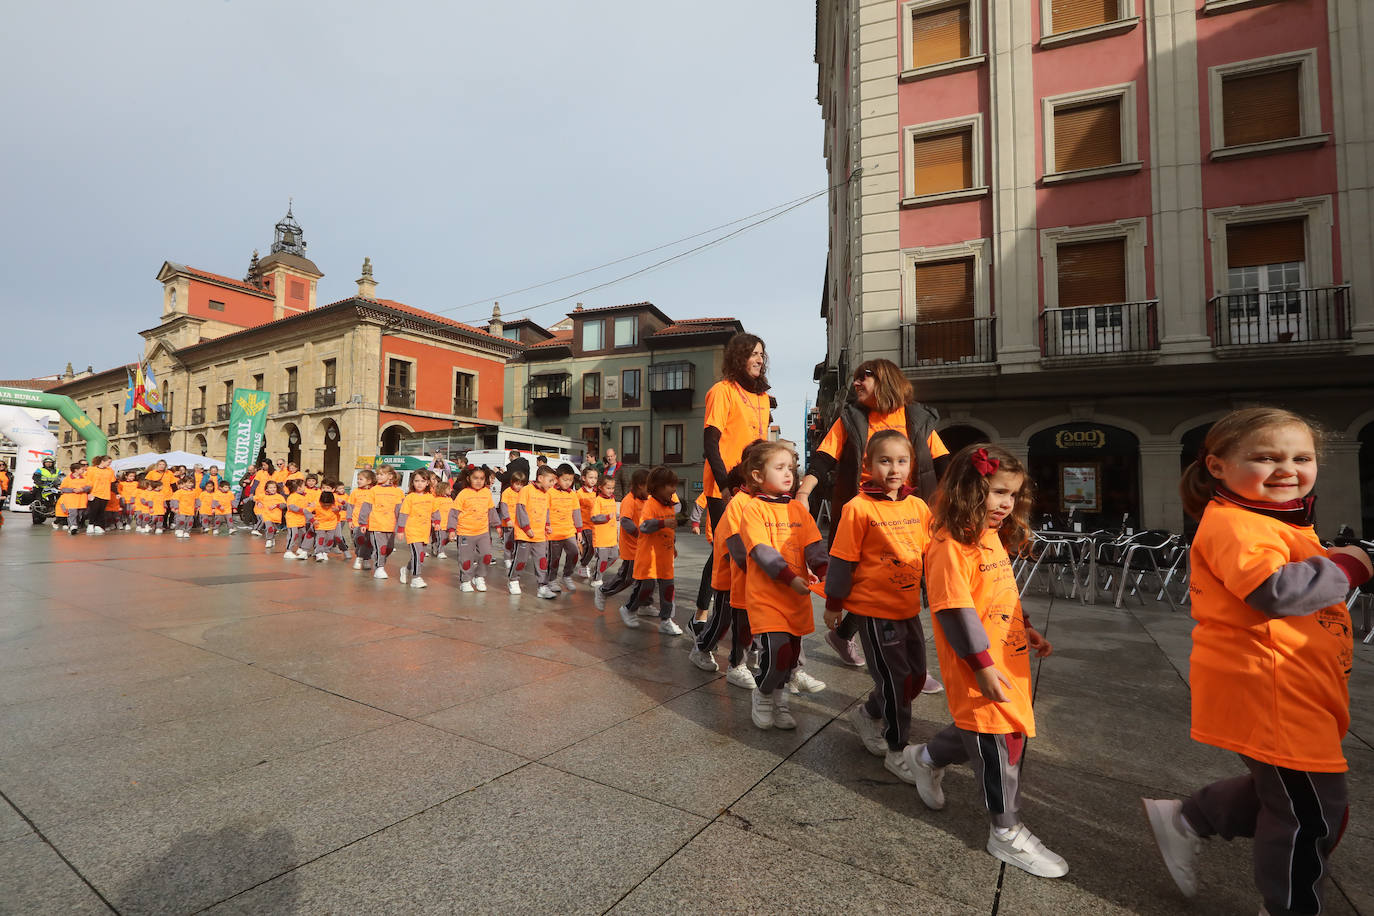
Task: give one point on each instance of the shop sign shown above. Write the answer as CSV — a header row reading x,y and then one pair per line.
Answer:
x,y
1081,438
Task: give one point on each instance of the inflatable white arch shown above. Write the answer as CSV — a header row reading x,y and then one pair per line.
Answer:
x,y
35,443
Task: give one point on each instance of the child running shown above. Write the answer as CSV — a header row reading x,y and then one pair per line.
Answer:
x,y
782,543
1271,660
722,616
628,538
475,513
378,515
586,500
565,520
443,510
71,505
984,644
417,517
656,551
532,531
221,509
510,500
269,505
297,517
605,521
875,574
357,500
328,516
128,499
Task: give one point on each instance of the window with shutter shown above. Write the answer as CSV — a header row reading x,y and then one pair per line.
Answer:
x,y
942,162
1087,136
1257,107
944,294
1067,15
1260,244
940,35
1092,273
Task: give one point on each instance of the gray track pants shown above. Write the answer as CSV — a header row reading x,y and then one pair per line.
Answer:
x,y
996,762
895,651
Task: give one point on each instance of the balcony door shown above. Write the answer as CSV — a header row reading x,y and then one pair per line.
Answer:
x,y
944,331
1092,288
1266,267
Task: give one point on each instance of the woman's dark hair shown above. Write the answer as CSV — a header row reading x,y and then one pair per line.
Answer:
x,y
736,367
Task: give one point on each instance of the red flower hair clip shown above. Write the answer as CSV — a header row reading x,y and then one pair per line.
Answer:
x,y
983,464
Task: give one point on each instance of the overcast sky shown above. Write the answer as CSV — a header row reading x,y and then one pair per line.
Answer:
x,y
468,148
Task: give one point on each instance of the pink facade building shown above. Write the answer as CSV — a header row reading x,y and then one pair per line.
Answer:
x,y
1088,228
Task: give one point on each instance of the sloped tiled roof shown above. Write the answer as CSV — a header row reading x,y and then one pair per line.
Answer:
x,y
221,279
31,384
430,316
700,326
559,339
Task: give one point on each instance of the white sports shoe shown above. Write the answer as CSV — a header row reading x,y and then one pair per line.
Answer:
x,y
598,597
782,716
405,574
441,555
670,627
546,592
628,618
321,557
703,660
513,587
802,681
1018,846
479,583
267,544
761,709
595,583
569,584
465,587
417,582
1178,845
741,676
358,563
380,573
553,586
932,686
870,731
928,777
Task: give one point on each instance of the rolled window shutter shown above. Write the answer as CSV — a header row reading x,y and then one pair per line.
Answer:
x,y
1257,244
940,35
1261,106
944,290
1092,273
1087,136
1067,15
944,162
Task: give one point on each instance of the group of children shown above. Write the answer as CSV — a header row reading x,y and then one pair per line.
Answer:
x,y
1272,649
93,498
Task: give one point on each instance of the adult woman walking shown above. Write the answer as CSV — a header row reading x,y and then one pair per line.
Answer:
x,y
881,398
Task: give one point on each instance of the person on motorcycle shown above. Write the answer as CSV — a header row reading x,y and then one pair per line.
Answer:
x,y
46,477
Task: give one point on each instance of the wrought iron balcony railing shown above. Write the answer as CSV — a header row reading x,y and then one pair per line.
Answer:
x,y
951,342
1247,318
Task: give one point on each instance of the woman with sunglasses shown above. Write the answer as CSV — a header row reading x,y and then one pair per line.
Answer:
x,y
881,398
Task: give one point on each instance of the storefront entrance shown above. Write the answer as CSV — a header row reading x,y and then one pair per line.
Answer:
x,y
1087,472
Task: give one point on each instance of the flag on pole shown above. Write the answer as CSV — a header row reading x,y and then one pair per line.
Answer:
x,y
140,402
151,396
129,392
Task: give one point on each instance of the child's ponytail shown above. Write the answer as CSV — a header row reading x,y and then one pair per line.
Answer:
x,y
1227,435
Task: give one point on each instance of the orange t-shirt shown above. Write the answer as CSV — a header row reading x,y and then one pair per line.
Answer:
x,y
654,555
385,501
296,505
980,577
630,508
279,475
536,503
360,497
586,504
272,507
561,506
101,481
734,511
221,503
722,566
788,528
418,508
128,491
259,479
741,417
74,500
604,534
887,539
834,441
312,498
510,498
327,517
474,511
1275,689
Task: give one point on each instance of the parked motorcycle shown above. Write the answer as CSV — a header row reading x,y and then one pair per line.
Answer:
x,y
42,503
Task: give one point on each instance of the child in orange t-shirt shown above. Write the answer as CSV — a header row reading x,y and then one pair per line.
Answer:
x,y
75,490
875,574
586,498
473,514
128,499
222,504
984,644
728,565
532,531
182,501
656,551
565,521
1271,660
628,538
443,508
357,500
604,518
270,504
311,490
327,516
152,505
782,544
379,516
297,517
416,519
506,508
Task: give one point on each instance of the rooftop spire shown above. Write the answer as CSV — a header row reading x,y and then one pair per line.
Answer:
x,y
288,235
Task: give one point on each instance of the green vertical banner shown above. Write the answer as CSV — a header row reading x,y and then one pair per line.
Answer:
x,y
247,426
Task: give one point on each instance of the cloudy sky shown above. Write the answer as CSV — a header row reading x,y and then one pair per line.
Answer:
x,y
470,149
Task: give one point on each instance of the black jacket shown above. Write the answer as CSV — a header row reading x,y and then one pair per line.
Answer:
x,y
848,468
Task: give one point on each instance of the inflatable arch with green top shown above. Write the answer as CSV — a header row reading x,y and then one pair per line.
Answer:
x,y
96,443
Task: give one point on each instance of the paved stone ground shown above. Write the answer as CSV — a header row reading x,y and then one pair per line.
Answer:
x,y
194,725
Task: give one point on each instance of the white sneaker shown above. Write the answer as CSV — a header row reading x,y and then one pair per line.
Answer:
x,y
782,716
553,586
598,597
380,573
703,660
480,584
417,582
1023,849
647,610
513,587
932,686
267,544
895,763
546,592
670,627
465,587
569,584
929,778
405,574
256,533
1178,844
583,572
358,563
321,558
94,529
761,709
160,530
595,583
441,555
627,618
289,555
870,731
741,676
802,681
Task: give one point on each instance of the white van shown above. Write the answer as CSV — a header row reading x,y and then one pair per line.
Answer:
x,y
497,459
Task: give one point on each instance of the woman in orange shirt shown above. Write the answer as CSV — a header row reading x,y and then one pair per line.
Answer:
x,y
656,551
379,516
474,513
785,555
1271,660
628,538
102,484
984,644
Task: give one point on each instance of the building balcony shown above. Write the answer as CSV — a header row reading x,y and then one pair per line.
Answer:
x,y
66,435
150,424
197,416
112,429
1287,320
222,411
1112,329
465,407
672,386
326,396
550,395
400,397
130,427
954,342
286,402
